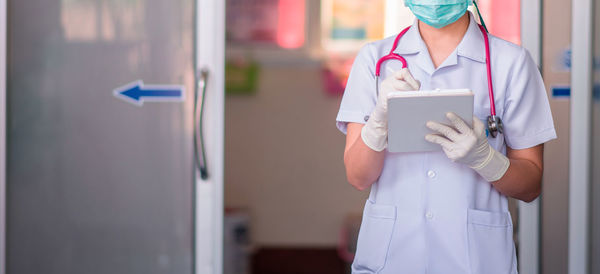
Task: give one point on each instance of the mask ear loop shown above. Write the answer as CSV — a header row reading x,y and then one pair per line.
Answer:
x,y
480,17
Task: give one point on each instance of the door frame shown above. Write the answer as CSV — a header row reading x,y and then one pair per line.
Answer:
x,y
209,208
580,146
529,213
3,45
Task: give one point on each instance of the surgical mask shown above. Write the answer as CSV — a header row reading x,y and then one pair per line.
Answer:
x,y
438,13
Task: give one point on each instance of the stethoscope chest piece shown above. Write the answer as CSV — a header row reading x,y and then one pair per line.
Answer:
x,y
494,125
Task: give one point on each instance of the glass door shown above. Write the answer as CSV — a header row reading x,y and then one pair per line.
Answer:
x,y
100,173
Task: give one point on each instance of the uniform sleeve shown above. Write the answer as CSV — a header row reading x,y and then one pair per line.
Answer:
x,y
527,117
360,96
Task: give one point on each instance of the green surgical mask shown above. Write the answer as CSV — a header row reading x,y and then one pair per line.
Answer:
x,y
438,13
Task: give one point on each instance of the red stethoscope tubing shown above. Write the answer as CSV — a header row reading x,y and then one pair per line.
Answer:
x,y
392,55
395,56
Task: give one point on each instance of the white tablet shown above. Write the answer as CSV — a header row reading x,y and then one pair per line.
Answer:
x,y
409,111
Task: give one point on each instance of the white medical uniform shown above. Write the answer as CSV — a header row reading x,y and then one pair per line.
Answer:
x,y
426,214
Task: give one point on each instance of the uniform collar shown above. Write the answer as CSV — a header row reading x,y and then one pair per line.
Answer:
x,y
472,46
411,42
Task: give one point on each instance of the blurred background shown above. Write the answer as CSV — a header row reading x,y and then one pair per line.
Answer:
x,y
198,136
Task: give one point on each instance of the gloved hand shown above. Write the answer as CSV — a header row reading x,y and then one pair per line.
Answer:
x,y
374,133
469,146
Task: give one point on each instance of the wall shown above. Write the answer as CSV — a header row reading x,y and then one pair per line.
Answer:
x,y
554,223
283,153
284,160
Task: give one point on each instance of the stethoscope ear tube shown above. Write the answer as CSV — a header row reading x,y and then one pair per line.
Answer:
x,y
479,14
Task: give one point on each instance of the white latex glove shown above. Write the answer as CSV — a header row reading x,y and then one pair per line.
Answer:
x,y
469,146
374,133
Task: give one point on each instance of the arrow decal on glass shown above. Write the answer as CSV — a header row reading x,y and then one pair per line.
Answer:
x,y
137,93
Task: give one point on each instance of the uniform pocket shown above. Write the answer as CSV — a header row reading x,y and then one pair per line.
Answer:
x,y
374,238
491,247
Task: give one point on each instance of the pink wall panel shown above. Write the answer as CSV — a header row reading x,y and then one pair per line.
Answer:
x,y
503,18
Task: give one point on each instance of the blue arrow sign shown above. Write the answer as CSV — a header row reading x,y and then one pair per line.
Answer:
x,y
137,93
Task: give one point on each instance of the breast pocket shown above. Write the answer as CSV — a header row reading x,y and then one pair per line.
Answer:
x,y
491,247
374,238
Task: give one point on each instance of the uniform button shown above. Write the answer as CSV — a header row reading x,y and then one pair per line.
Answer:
x,y
431,174
429,215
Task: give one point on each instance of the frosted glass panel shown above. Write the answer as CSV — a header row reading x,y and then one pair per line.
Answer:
x,y
96,184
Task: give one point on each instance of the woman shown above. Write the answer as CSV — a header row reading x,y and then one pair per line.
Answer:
x,y
446,211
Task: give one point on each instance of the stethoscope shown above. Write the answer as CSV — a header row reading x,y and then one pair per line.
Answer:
x,y
494,123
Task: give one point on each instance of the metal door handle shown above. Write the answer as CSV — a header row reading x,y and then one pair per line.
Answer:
x,y
199,151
